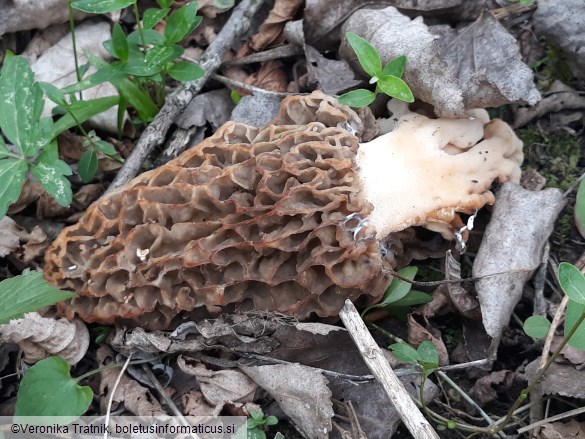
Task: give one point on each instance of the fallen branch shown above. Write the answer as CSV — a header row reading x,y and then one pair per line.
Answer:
x,y
414,420
155,133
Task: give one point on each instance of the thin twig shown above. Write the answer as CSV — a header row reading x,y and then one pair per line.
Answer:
x,y
371,353
285,51
114,388
250,88
570,413
154,135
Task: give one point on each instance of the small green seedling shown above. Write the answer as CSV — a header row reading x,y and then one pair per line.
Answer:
x,y
425,356
258,423
144,59
572,282
33,147
388,79
400,295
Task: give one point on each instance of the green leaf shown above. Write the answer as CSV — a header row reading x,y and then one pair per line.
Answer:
x,y
271,420
165,4
179,25
257,416
580,208
235,97
119,42
396,88
101,6
12,176
574,312
414,297
105,73
256,433
572,282
397,290
21,104
406,353
150,37
137,98
27,293
139,67
53,93
4,151
223,4
159,56
88,164
51,173
367,55
536,327
428,353
153,16
47,389
83,110
105,147
395,67
185,71
357,98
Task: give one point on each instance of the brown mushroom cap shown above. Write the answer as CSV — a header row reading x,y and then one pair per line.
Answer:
x,y
263,216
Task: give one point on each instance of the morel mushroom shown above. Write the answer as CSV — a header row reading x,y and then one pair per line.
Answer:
x,y
295,217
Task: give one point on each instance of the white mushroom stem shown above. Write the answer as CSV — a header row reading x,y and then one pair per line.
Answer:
x,y
426,171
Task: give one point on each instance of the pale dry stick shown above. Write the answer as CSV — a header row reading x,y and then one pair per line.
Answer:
x,y
114,388
570,413
155,134
410,414
285,51
250,88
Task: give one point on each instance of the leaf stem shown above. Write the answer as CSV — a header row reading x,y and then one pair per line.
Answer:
x,y
139,25
74,43
110,366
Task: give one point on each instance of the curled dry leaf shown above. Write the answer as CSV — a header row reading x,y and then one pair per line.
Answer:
x,y
136,399
477,67
513,243
560,379
461,297
301,392
483,390
271,29
194,404
221,386
40,337
26,246
271,76
486,60
214,107
562,430
393,35
322,19
239,333
330,75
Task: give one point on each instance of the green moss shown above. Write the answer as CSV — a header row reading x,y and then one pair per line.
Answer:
x,y
552,67
555,156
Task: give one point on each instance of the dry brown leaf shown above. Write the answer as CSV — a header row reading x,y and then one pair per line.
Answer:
x,y
271,76
330,75
222,386
136,399
271,29
9,238
483,391
301,392
24,245
560,379
194,404
214,107
418,333
40,337
568,353
562,430
513,242
31,192
440,305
